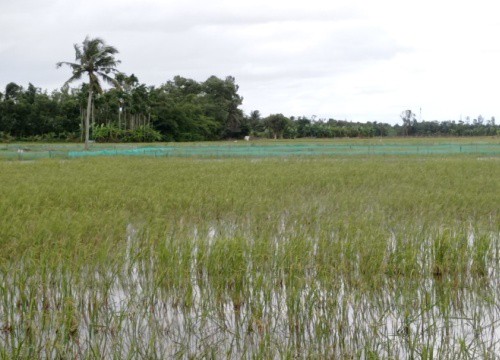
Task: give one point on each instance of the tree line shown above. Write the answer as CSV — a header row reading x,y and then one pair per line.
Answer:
x,y
181,109
184,110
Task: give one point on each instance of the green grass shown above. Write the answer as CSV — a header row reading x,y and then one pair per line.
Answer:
x,y
485,146
374,257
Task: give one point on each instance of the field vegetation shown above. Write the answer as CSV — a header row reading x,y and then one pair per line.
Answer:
x,y
484,146
316,257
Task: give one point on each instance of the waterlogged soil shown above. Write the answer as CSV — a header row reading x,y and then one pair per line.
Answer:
x,y
265,310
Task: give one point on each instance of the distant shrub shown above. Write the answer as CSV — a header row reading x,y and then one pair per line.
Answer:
x,y
111,133
145,134
5,137
108,133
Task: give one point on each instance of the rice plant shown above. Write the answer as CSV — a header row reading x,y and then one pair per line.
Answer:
x,y
318,257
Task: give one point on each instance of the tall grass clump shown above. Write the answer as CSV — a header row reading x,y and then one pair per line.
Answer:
x,y
349,257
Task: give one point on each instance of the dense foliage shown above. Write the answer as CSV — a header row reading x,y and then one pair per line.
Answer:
x,y
183,110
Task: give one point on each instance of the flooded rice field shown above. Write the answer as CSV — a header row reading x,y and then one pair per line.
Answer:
x,y
217,296
320,258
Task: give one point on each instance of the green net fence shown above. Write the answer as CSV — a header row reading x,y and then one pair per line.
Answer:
x,y
18,152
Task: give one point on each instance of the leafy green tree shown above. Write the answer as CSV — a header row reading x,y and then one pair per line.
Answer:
x,y
96,60
255,123
222,102
276,124
303,127
179,111
12,91
185,110
68,112
125,96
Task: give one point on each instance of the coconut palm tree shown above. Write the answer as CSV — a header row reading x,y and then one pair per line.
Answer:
x,y
96,60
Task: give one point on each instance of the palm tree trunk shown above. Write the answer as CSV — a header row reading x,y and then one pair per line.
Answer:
x,y
87,118
92,124
82,122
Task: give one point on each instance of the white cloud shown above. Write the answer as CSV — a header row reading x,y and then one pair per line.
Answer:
x,y
360,59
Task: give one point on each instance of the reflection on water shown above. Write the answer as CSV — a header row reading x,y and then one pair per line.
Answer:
x,y
182,300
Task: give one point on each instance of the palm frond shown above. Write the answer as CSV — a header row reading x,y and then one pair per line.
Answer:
x,y
107,62
73,66
96,59
78,52
110,80
75,77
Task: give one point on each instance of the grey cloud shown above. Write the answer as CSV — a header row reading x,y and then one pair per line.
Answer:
x,y
183,16
284,55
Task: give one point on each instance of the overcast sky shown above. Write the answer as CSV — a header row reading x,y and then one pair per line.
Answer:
x,y
360,60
